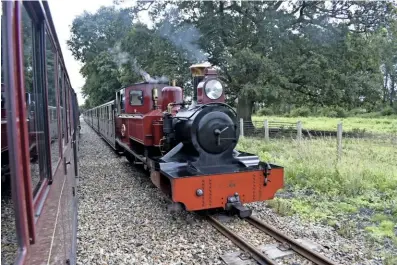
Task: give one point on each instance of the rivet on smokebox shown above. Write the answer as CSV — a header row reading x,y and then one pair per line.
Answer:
x,y
199,192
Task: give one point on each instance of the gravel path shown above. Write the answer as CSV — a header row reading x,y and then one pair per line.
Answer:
x,y
123,217
9,244
123,220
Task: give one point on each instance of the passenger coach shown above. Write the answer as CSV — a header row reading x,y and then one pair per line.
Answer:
x,y
39,140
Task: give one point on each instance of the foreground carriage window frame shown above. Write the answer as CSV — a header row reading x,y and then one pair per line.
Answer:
x,y
53,102
37,208
21,201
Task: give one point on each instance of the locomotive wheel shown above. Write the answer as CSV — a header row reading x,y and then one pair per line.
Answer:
x,y
130,157
175,207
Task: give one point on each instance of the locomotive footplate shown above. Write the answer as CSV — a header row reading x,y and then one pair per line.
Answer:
x,y
226,186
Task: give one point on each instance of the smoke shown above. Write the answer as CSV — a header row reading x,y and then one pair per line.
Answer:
x,y
122,58
137,69
185,37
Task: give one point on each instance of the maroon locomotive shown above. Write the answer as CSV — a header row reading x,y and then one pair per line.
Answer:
x,y
188,147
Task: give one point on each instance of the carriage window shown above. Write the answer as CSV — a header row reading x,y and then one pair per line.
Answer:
x,y
61,105
136,97
52,104
122,100
70,111
35,105
3,101
66,107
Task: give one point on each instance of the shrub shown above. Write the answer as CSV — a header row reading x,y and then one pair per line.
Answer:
x,y
300,112
357,111
265,112
370,115
333,112
387,111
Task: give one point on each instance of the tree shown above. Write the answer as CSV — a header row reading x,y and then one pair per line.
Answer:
x,y
300,52
279,53
92,34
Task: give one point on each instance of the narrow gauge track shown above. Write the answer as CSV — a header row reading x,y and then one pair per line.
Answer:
x,y
257,254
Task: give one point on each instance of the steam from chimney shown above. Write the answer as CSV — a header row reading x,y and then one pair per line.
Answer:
x,y
121,58
185,37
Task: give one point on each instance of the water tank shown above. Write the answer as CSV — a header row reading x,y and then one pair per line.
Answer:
x,y
170,94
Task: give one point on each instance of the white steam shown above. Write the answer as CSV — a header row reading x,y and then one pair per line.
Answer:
x,y
121,58
185,37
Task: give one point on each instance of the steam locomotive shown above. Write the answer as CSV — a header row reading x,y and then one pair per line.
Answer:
x,y
188,147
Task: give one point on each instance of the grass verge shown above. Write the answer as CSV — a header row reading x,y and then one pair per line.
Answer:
x,y
387,125
359,191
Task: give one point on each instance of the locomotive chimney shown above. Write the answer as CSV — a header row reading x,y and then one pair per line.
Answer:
x,y
174,82
198,73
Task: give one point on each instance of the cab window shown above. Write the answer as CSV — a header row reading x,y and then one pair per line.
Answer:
x,y
136,97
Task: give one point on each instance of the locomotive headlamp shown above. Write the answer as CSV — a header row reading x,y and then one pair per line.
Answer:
x,y
213,89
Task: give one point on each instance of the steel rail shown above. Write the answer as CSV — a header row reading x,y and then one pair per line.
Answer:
x,y
295,245
256,254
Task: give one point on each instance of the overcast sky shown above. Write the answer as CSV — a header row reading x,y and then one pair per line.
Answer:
x,y
63,12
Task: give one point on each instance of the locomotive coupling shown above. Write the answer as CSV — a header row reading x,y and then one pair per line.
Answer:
x,y
266,173
235,206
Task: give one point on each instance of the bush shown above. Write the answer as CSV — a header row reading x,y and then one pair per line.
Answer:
x,y
370,115
265,112
333,112
300,112
357,111
387,111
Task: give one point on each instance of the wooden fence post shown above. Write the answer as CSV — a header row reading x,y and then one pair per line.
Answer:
x,y
299,130
266,127
241,127
339,140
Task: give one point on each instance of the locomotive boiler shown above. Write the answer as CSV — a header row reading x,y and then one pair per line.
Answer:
x,y
188,147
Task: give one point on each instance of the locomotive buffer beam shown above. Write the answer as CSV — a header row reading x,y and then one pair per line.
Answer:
x,y
235,206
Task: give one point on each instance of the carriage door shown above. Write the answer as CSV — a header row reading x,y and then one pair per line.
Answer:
x,y
112,125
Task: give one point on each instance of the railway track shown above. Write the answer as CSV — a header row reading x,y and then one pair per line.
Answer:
x,y
257,254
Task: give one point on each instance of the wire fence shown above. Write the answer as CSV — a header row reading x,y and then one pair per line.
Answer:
x,y
268,130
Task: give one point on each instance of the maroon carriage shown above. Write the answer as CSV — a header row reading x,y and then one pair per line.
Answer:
x,y
39,140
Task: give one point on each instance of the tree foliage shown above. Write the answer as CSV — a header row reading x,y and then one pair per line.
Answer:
x,y
281,54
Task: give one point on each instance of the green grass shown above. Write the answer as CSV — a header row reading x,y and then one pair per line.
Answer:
x,y
321,188
375,125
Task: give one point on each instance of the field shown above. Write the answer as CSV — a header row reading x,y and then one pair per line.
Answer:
x,y
357,192
385,125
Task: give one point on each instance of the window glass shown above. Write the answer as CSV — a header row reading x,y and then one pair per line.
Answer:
x,y
65,106
52,103
9,243
68,108
71,120
34,103
61,105
122,98
136,97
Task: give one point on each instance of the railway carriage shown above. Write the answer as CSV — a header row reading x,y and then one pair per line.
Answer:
x,y
40,124
188,147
